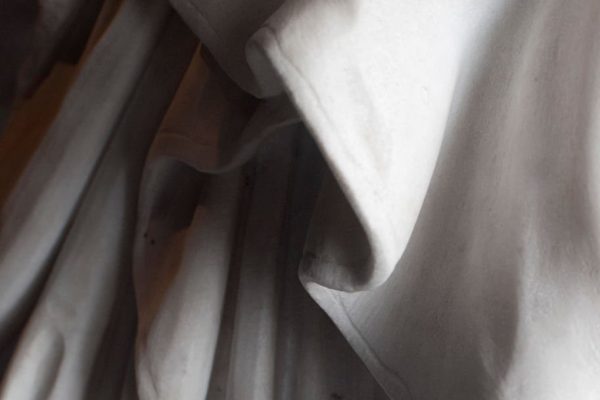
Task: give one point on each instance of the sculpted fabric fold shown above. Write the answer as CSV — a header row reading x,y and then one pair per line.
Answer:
x,y
325,199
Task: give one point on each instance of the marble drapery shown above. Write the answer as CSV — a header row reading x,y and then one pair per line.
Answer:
x,y
300,199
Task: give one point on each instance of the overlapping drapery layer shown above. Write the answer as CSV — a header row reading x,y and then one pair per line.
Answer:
x,y
428,167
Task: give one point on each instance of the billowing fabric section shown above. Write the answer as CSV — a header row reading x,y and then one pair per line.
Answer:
x,y
477,279
222,314
301,199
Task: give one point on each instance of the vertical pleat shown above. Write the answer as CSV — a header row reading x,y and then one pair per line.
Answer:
x,y
39,207
78,340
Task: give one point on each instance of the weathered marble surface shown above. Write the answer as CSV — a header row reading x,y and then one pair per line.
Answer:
x,y
331,200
